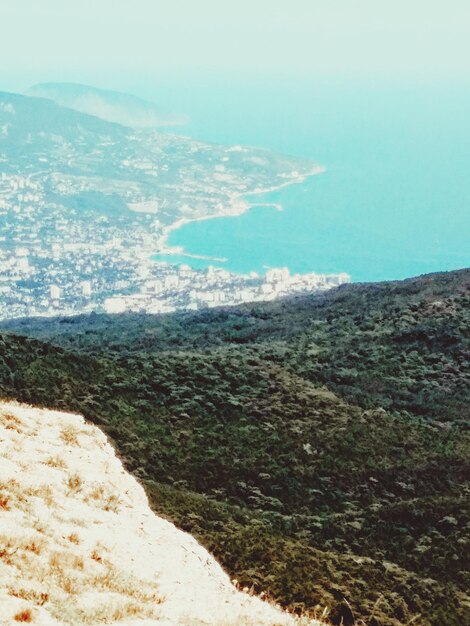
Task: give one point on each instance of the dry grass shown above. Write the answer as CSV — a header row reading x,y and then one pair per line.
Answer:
x,y
115,610
5,502
56,462
68,576
74,483
24,616
42,491
13,548
65,557
11,422
41,555
69,435
97,492
12,495
70,585
117,596
104,498
34,547
31,595
111,579
65,561
112,503
40,526
74,538
96,556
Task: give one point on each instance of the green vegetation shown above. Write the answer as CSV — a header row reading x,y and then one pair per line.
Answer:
x,y
319,447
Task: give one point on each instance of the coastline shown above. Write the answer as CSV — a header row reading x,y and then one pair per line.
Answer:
x,y
237,206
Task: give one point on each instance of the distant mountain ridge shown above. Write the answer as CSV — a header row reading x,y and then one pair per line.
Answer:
x,y
33,129
112,106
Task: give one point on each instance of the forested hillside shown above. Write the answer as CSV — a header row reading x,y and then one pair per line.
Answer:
x,y
319,446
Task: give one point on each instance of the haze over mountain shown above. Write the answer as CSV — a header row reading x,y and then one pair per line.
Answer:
x,y
112,106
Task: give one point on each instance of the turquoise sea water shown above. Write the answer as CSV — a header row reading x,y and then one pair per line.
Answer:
x,y
394,201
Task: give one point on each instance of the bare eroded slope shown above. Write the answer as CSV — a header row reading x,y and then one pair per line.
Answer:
x,y
79,544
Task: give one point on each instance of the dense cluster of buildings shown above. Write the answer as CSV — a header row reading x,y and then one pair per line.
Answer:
x,y
55,260
184,288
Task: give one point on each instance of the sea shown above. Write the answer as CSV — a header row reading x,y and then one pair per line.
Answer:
x,y
394,201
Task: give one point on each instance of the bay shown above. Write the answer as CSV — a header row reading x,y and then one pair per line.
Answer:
x,y
394,201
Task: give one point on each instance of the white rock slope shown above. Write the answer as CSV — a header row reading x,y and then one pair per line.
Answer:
x,y
80,545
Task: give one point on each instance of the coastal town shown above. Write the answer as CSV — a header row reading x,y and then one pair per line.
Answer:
x,y
81,230
68,265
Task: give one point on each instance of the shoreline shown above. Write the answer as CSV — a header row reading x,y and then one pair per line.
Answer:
x,y
237,206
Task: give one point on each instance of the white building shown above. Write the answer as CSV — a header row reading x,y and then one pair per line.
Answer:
x,y
55,248
86,288
277,275
115,304
171,281
54,292
23,264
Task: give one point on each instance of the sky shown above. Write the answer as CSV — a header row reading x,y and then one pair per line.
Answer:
x,y
100,40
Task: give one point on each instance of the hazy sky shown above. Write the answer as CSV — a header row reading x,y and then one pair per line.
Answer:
x,y
80,38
